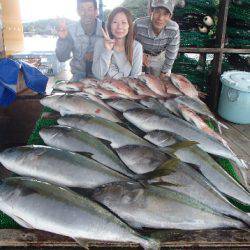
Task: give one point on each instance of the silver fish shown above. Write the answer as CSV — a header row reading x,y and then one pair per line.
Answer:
x,y
104,129
40,205
142,159
161,208
148,120
75,140
58,166
69,104
206,164
123,105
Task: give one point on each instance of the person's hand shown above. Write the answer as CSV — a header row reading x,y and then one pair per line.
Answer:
x,y
88,56
145,60
62,30
108,42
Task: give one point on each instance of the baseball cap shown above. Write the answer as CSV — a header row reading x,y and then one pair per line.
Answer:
x,y
168,4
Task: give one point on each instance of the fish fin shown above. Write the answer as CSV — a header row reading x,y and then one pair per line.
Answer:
x,y
86,154
183,144
165,169
165,183
150,243
82,242
106,142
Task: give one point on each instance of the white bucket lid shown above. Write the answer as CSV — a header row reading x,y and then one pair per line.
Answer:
x,y
235,79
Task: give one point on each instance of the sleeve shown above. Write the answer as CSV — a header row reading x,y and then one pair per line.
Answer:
x,y
101,60
64,47
171,53
137,60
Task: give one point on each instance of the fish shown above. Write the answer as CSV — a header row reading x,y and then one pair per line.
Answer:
x,y
142,159
68,104
192,117
68,87
184,85
224,182
117,135
139,87
199,107
58,166
63,212
171,89
148,120
155,105
119,87
103,93
78,141
65,86
163,138
187,180
155,84
171,105
160,208
123,105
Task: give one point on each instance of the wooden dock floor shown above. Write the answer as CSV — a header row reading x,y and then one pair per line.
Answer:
x,y
238,137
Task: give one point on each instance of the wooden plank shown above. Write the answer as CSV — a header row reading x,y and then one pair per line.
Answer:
x,y
214,50
170,239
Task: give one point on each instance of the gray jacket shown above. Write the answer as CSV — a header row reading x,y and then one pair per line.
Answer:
x,y
75,46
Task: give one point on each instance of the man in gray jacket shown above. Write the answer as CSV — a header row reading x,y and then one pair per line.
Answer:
x,y
159,36
78,40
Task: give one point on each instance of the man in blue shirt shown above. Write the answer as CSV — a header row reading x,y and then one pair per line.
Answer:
x,y
78,40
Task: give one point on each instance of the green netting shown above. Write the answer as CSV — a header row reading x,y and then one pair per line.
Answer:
x,y
239,12
207,4
238,43
196,39
192,8
238,33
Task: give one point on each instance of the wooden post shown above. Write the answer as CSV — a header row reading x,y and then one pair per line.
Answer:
x,y
12,26
2,50
218,58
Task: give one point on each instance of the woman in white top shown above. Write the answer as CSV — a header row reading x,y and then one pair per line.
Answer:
x,y
117,54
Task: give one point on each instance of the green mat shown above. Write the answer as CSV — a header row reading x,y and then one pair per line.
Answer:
x,y
7,222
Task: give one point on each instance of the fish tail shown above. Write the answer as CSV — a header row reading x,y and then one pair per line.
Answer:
x,y
220,125
150,244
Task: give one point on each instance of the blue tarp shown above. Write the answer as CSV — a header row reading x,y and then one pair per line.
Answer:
x,y
9,71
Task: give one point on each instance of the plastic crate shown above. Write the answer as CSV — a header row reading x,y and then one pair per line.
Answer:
x,y
46,62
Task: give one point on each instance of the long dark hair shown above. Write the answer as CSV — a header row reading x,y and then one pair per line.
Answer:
x,y
129,40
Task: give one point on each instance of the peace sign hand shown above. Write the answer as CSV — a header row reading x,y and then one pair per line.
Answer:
x,y
108,42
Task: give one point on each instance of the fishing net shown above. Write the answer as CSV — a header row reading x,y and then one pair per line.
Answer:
x,y
195,39
238,43
239,12
238,33
192,9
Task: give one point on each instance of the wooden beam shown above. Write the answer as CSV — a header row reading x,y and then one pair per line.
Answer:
x,y
213,50
218,59
174,239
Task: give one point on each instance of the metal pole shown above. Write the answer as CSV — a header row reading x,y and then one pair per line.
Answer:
x,y
101,13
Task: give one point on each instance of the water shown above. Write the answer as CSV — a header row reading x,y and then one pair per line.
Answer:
x,y
39,43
